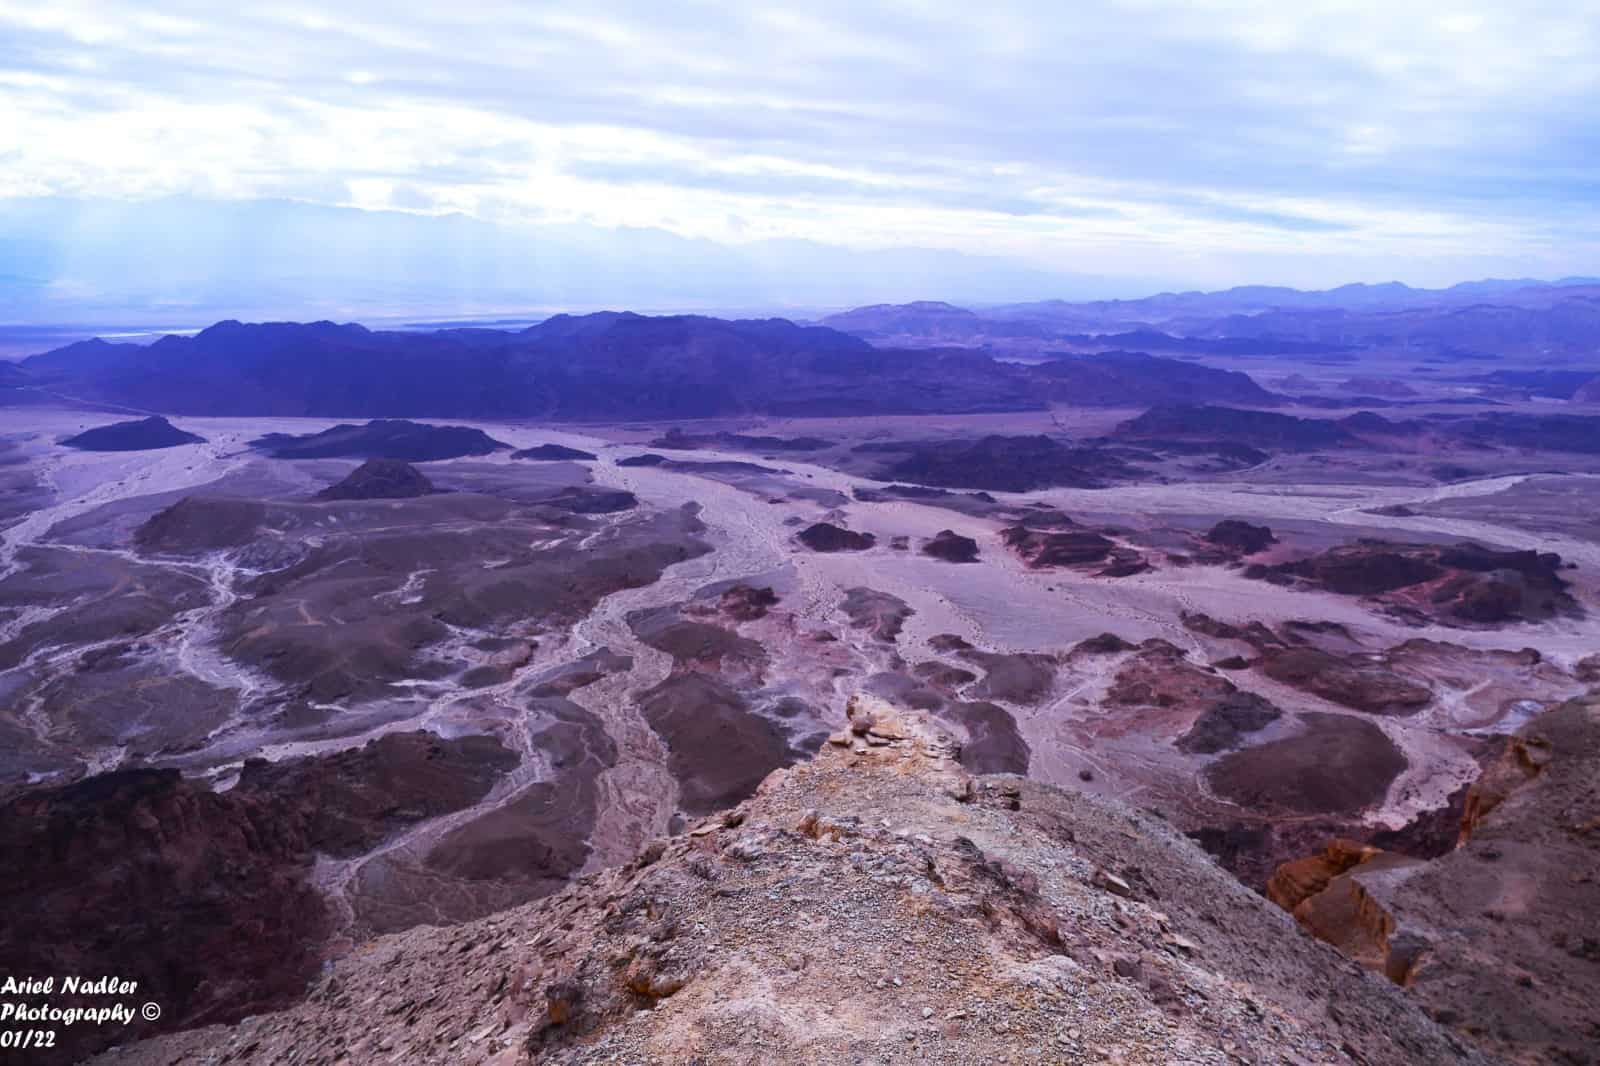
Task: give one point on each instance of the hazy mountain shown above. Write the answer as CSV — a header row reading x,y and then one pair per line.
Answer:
x,y
1529,318
181,261
1255,299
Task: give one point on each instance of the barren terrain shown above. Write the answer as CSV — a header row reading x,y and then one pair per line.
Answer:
x,y
633,643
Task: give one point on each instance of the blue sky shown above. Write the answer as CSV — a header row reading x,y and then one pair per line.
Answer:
x,y
1204,143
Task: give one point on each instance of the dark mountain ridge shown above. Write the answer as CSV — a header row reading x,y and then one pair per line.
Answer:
x,y
598,366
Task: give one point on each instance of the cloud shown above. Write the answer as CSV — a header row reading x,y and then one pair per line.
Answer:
x,y
1225,136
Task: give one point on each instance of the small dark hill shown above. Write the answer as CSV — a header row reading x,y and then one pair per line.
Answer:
x,y
380,479
1261,429
1007,464
827,537
678,439
145,434
554,453
1241,536
1117,378
952,547
383,438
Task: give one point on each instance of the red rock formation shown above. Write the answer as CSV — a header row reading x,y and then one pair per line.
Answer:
x,y
1523,760
1458,584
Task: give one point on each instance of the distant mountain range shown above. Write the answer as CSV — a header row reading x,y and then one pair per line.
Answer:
x,y
600,366
1552,320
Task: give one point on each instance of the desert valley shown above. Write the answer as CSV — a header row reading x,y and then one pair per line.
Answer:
x,y
333,657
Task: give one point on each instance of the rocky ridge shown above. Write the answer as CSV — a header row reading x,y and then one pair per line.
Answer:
x,y
875,904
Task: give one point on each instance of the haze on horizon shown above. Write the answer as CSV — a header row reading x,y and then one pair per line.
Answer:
x,y
174,159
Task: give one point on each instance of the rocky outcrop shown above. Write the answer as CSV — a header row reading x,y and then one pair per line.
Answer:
x,y
1007,464
1241,537
379,479
1458,584
951,547
1334,764
549,453
382,438
875,903
881,614
1525,758
1297,881
1348,680
144,434
677,439
1224,724
1257,429
1199,710
827,537
747,603
1076,548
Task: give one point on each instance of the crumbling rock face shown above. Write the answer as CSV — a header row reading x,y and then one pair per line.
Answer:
x,y
1295,882
1499,938
1524,759
875,904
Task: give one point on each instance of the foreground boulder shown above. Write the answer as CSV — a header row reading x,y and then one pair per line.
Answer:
x,y
877,904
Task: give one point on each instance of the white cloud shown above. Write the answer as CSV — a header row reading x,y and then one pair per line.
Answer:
x,y
1360,136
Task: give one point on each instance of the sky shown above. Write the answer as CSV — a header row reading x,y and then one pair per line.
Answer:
x,y
1198,143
